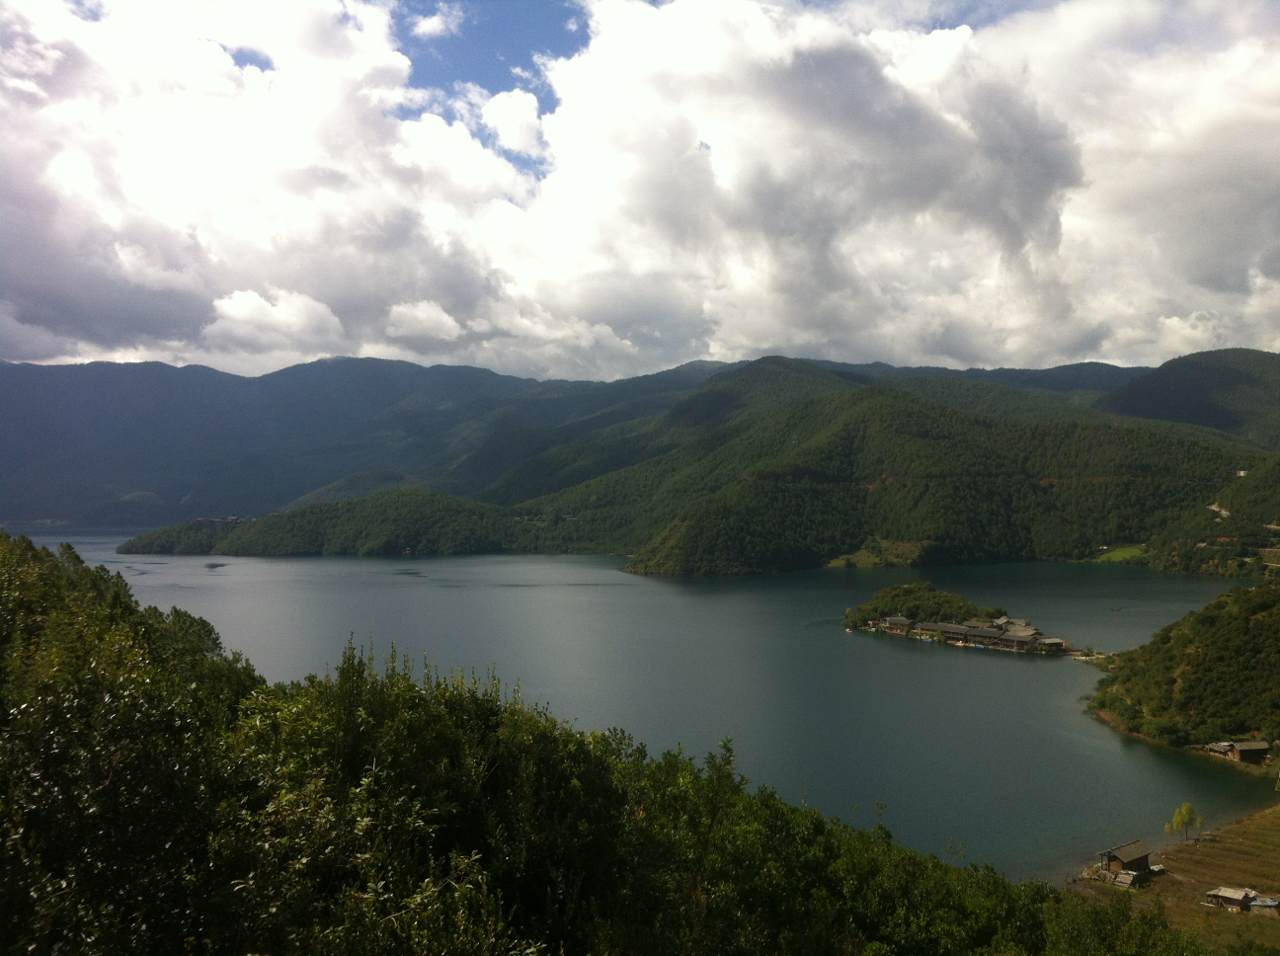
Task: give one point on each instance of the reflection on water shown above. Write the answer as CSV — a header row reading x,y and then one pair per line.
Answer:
x,y
989,751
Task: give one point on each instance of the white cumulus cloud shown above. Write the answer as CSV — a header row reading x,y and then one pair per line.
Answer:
x,y
446,21
1073,180
425,319
513,116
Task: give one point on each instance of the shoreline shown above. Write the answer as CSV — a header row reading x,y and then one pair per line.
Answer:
x,y
1263,771
1175,846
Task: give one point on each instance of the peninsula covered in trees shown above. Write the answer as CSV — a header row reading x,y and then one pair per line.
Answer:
x,y
781,464
157,796
1214,675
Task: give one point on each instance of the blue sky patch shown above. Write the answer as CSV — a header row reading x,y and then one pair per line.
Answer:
x,y
244,56
494,38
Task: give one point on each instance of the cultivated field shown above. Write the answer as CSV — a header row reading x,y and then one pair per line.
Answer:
x,y
1243,854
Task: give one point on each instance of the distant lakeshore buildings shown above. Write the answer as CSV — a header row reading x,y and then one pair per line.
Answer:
x,y
1002,634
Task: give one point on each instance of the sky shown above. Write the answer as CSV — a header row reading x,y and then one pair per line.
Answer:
x,y
602,188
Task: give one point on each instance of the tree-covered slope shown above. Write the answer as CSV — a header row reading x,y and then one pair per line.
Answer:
x,y
1230,532
155,797
1077,377
781,464
818,477
1213,675
137,444
399,521
356,486
1232,390
141,444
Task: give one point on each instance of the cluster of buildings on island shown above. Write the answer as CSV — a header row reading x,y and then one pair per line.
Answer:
x,y
1003,633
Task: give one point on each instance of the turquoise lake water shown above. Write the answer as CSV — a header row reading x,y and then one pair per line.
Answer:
x,y
976,756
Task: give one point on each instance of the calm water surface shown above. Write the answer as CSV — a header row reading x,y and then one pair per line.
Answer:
x,y
974,755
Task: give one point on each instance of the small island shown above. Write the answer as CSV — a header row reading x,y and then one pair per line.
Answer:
x,y
919,610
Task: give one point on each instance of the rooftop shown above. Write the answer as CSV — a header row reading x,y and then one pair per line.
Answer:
x,y
1232,893
1127,852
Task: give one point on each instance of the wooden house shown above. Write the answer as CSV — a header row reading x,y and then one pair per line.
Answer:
x,y
1132,856
1231,898
1249,751
1018,637
896,625
982,635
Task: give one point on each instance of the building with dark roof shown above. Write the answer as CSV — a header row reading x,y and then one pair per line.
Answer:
x,y
1249,751
1132,856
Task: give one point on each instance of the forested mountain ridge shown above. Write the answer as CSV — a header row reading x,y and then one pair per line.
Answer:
x,y
1213,675
1095,377
780,464
137,444
888,465
765,465
142,444
158,797
1236,391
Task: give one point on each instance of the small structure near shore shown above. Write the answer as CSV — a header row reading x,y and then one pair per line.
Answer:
x,y
1133,856
899,626
1238,900
1243,751
1127,865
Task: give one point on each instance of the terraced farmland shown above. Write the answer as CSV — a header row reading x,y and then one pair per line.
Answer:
x,y
1242,854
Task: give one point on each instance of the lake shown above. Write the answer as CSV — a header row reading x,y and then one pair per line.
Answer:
x,y
976,756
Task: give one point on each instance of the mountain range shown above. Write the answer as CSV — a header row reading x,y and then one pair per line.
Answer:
x,y
706,467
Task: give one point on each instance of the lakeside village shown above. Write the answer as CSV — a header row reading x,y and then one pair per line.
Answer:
x,y
1004,633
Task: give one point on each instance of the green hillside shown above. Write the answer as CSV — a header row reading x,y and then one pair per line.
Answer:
x,y
157,797
1214,675
119,445
1232,390
410,521
781,464
356,486
1231,532
142,445
818,477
